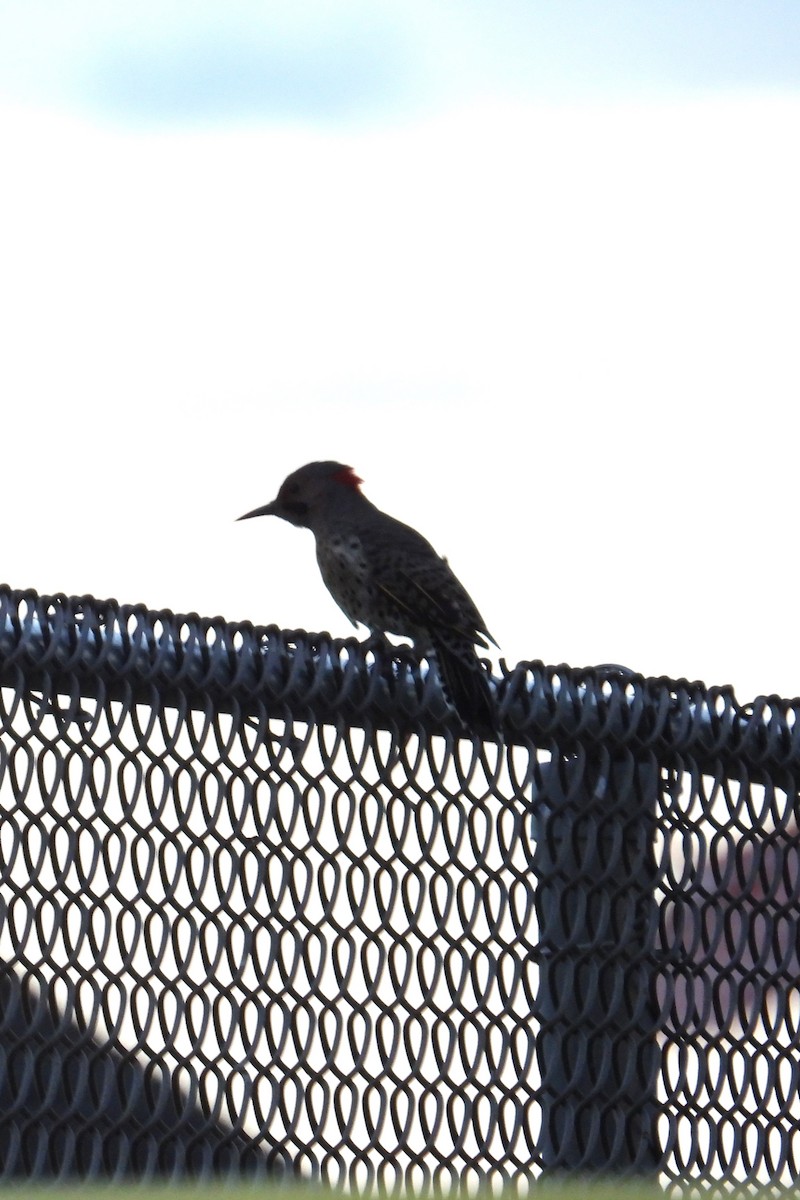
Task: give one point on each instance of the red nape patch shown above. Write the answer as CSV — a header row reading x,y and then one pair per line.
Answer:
x,y
348,476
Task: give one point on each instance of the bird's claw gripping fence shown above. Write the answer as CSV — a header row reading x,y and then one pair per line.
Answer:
x,y
265,910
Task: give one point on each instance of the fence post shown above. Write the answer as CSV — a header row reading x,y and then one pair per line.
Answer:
x,y
596,1009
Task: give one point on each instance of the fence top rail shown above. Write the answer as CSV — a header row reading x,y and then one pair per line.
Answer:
x,y
80,645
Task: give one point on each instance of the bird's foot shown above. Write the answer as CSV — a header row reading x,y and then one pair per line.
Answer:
x,y
375,642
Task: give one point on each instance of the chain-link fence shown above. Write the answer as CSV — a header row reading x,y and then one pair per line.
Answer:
x,y
264,909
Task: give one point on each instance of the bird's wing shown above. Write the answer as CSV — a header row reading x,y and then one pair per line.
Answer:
x,y
437,601
418,584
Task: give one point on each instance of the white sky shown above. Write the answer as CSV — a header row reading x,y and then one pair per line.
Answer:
x,y
546,304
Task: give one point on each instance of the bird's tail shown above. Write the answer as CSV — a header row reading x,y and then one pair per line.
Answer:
x,y
466,685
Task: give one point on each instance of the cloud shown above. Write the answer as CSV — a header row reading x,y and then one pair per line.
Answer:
x,y
319,67
206,61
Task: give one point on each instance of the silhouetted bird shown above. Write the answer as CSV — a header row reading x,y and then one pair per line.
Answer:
x,y
386,576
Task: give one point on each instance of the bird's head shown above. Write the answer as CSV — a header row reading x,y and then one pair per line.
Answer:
x,y
307,494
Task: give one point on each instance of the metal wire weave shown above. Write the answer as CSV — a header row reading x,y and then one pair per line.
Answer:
x,y
265,907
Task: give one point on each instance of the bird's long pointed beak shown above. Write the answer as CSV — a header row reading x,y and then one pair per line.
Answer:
x,y
266,510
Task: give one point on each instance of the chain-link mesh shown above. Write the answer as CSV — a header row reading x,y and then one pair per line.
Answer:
x,y
263,907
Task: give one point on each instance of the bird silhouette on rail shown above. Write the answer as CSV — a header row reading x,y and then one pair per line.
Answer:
x,y
385,575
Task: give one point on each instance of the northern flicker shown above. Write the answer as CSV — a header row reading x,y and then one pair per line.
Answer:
x,y
385,575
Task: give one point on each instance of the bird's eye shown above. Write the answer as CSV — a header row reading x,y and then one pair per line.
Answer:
x,y
297,508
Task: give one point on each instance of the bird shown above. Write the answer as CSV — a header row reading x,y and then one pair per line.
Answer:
x,y
387,576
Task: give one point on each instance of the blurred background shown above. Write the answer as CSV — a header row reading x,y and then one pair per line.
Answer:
x,y
531,268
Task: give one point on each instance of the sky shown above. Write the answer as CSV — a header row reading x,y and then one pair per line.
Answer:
x,y
530,268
